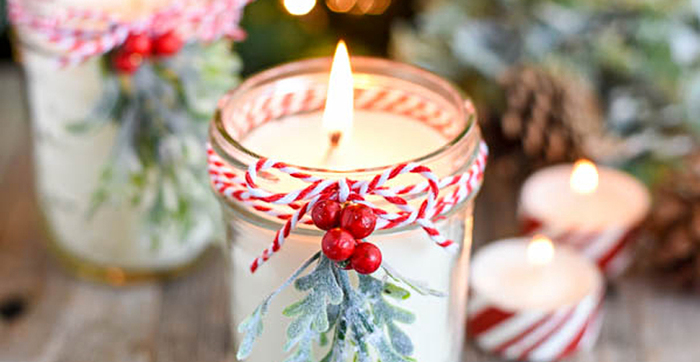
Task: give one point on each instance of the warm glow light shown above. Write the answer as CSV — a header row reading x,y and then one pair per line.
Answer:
x,y
299,7
540,251
337,117
584,177
359,7
340,6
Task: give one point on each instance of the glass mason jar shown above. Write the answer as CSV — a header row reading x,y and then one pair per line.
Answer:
x,y
438,330
118,157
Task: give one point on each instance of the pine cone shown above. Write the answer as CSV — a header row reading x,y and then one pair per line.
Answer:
x,y
548,117
674,225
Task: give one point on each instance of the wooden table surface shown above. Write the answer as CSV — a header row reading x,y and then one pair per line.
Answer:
x,y
47,315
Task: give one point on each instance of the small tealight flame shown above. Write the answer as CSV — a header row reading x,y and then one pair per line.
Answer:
x,y
337,117
540,251
299,7
584,177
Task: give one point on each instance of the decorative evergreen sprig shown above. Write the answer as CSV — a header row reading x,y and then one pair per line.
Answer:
x,y
161,113
252,326
363,323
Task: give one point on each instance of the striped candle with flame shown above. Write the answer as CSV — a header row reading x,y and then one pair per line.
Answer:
x,y
596,210
531,301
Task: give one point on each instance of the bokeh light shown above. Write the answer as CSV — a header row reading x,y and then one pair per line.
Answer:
x,y
370,7
299,7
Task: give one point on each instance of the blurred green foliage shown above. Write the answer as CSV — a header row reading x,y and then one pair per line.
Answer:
x,y
642,57
275,36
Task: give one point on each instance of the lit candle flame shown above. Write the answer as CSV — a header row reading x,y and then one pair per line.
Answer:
x,y
584,177
540,251
337,117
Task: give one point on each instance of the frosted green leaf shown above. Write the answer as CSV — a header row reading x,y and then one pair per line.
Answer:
x,y
355,322
311,317
396,292
161,125
418,286
252,326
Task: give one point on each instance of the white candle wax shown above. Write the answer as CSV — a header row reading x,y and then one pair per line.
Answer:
x,y
378,139
124,8
502,274
532,302
618,201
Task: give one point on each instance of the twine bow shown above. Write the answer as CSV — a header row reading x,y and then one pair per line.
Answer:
x,y
66,28
244,189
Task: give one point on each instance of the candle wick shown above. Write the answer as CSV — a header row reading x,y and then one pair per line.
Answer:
x,y
334,141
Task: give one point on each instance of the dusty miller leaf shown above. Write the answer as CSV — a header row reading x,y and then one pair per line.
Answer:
x,y
418,286
364,325
396,292
386,316
311,313
252,326
160,121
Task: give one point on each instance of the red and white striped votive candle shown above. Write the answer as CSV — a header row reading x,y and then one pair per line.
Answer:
x,y
530,302
595,210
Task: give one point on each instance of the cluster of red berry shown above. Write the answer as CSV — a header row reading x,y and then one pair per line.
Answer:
x,y
138,47
345,228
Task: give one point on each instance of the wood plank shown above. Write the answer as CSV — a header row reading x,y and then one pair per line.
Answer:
x,y
62,319
194,319
495,215
14,113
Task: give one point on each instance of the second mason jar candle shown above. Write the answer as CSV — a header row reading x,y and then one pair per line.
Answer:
x,y
120,94
401,114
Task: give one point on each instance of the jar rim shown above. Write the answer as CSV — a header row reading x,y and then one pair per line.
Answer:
x,y
222,140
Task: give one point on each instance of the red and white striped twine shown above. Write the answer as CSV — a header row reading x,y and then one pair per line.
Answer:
x,y
67,28
292,207
610,248
536,336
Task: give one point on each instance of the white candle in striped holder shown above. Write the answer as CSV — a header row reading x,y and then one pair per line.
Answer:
x,y
596,210
530,302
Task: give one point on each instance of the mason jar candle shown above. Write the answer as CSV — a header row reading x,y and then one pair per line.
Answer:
x,y
118,133
401,116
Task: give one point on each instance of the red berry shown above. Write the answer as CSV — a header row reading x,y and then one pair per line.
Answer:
x,y
138,44
167,44
326,214
366,259
359,220
338,244
127,63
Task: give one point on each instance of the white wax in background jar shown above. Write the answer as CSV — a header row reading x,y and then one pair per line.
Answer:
x,y
595,211
501,272
124,8
527,307
618,200
68,164
68,167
